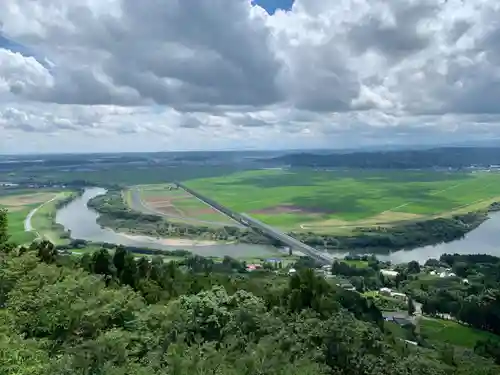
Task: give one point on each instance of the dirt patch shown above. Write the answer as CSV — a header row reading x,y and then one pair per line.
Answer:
x,y
291,209
390,216
169,210
201,211
155,200
25,200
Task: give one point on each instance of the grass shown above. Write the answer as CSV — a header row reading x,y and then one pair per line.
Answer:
x,y
178,204
44,218
16,226
325,200
356,263
452,333
19,203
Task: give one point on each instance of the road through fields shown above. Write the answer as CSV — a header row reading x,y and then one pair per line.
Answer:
x,y
138,204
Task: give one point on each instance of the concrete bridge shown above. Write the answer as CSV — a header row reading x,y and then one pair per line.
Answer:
x,y
248,221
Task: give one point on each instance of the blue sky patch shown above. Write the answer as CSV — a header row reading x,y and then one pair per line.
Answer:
x,y
10,45
272,5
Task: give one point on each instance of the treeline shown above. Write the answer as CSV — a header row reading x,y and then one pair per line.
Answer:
x,y
471,297
60,203
115,214
404,236
446,157
472,302
105,314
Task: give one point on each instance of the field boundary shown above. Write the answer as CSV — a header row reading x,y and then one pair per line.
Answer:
x,y
137,203
27,222
364,224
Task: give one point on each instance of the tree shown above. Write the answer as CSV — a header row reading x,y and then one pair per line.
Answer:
x,y
128,275
4,227
413,267
47,252
119,259
102,264
411,306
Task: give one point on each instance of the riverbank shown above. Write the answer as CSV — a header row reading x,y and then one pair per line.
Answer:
x,y
384,240
177,242
115,214
81,222
41,220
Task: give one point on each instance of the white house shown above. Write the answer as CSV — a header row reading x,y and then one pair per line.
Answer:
x,y
385,291
389,273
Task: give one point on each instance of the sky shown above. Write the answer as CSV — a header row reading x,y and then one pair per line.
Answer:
x,y
161,75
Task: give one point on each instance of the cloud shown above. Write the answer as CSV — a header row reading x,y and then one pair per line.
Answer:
x,y
224,73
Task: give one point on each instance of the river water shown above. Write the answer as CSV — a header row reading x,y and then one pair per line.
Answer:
x,y
81,220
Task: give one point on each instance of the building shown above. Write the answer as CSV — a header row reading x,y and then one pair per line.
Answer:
x,y
253,267
385,291
389,273
400,296
389,293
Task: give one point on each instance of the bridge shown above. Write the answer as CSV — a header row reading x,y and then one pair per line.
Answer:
x,y
248,221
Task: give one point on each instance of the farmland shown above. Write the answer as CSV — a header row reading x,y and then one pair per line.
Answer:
x,y
326,201
175,204
453,333
19,203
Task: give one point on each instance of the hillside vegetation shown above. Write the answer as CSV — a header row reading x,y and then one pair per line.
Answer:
x,y
113,314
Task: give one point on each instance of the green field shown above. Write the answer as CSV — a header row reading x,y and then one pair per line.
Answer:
x,y
177,204
325,200
16,226
19,203
452,332
44,218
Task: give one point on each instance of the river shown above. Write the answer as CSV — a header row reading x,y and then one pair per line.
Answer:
x,y
81,220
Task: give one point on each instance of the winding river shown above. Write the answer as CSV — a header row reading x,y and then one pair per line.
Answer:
x,y
81,221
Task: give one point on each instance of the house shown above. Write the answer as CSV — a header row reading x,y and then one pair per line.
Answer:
x,y
253,267
400,318
447,273
344,284
389,273
402,322
385,291
327,268
400,296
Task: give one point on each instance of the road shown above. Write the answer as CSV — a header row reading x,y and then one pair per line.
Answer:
x,y
27,222
246,220
138,204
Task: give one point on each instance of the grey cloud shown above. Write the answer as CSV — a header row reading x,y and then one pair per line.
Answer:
x,y
186,52
398,38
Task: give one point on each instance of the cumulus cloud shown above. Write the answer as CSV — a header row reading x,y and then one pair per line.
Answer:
x,y
325,73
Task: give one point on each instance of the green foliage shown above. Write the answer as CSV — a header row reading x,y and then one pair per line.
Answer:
x,y
4,227
348,194
104,314
116,214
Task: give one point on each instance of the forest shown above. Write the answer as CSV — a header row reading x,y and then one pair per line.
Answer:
x,y
444,157
110,313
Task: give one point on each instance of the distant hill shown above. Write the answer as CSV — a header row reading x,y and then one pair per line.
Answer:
x,y
444,157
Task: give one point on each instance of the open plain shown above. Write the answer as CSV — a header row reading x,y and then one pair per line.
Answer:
x,y
336,200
